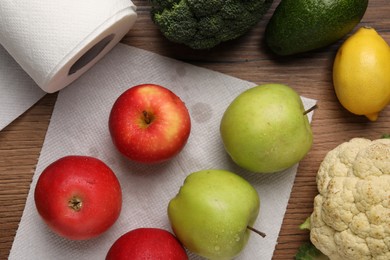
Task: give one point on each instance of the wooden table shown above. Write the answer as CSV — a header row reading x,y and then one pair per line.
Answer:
x,y
246,58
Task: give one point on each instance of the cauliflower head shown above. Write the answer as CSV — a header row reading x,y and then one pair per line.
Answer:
x,y
351,217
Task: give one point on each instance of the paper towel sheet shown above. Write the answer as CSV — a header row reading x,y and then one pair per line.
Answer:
x,y
79,125
18,92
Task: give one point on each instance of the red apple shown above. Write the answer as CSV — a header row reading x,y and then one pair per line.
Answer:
x,y
147,243
149,123
78,197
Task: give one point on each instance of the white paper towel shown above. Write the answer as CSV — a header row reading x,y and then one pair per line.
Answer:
x,y
18,92
79,125
56,41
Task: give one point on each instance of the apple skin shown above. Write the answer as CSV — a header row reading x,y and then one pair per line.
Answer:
x,y
211,212
78,197
265,129
149,123
147,243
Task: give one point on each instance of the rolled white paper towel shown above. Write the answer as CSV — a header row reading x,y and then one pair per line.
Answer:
x,y
56,41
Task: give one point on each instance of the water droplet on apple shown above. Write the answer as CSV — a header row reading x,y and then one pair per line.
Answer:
x,y
217,248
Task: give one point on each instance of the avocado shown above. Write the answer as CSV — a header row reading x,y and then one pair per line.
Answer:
x,y
298,26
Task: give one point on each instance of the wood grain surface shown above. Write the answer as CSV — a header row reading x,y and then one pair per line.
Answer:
x,y
247,58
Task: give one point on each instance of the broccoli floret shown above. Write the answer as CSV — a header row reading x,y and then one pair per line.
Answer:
x,y
203,24
308,251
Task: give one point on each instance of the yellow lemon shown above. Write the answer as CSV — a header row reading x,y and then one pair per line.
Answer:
x,y
361,73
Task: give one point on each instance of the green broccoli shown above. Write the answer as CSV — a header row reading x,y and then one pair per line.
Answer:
x,y
203,24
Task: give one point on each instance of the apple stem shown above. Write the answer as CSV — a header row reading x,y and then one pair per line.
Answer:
x,y
310,109
147,117
256,231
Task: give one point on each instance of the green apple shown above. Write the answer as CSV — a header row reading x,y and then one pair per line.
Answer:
x,y
265,129
211,213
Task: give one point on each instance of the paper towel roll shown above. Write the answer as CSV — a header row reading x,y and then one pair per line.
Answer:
x,y
56,41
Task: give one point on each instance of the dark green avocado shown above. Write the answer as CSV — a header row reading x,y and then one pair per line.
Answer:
x,y
299,26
